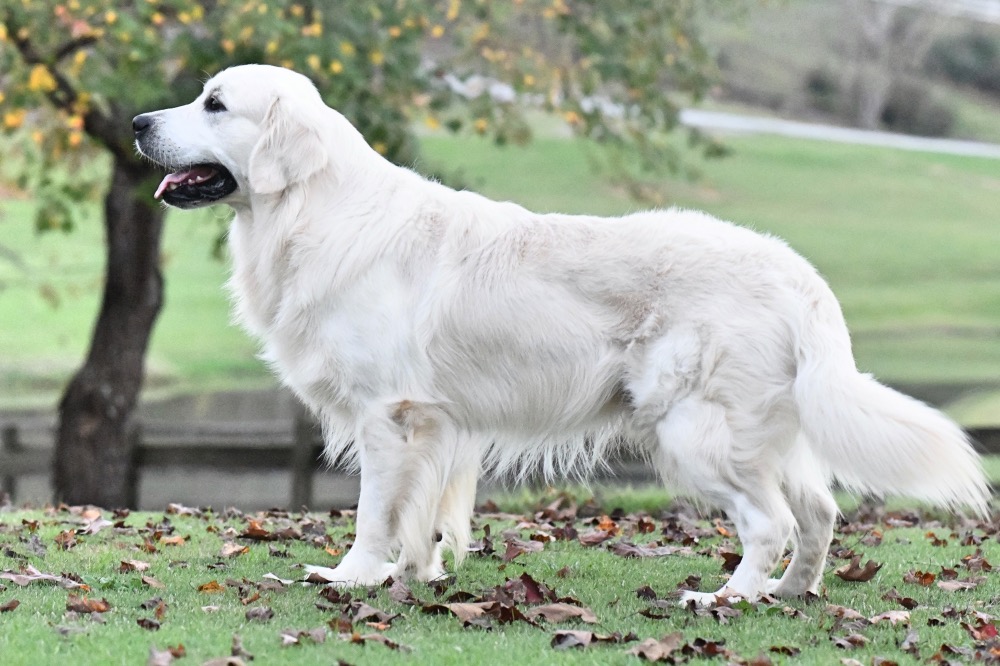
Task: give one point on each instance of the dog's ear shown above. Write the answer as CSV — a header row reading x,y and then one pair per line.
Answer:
x,y
290,151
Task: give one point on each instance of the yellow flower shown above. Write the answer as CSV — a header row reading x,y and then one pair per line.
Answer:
x,y
3,32
75,139
75,122
336,67
454,7
529,80
110,17
184,17
296,10
312,30
347,49
157,18
432,122
271,47
437,31
395,31
314,62
1,97
79,58
377,58
380,147
228,45
14,119
572,117
481,124
40,79
37,137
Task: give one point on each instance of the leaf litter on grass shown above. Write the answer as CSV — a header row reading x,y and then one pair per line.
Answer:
x,y
355,617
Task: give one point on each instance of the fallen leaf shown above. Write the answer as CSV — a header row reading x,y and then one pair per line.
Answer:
x,y
955,585
9,606
379,638
918,577
224,661
173,540
594,537
906,602
516,547
566,639
849,642
238,650
30,574
909,644
293,637
129,566
855,573
211,587
260,614
894,617
625,548
159,657
730,560
560,612
85,605
983,631
152,582
230,550
400,593
652,649
148,623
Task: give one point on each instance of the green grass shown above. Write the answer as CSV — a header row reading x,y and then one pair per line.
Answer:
x,y
41,630
907,240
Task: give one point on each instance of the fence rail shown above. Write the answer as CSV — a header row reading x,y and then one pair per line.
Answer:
x,y
291,444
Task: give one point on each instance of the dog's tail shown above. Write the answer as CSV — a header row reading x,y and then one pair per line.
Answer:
x,y
873,438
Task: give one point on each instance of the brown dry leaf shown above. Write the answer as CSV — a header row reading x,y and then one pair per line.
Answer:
x,y
159,657
378,638
256,531
955,585
625,548
295,637
230,550
9,606
152,582
30,574
176,540
148,623
908,603
260,614
849,642
570,638
401,594
594,537
658,650
129,566
211,587
560,612
893,617
517,547
918,577
855,573
85,605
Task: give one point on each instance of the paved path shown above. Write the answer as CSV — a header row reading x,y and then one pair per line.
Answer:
x,y
731,122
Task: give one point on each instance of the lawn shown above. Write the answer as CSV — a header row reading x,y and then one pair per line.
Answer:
x,y
907,240
192,579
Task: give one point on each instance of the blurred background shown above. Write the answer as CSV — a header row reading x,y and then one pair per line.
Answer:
x,y
863,132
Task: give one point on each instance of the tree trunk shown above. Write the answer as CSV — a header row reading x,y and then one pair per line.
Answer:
x,y
94,461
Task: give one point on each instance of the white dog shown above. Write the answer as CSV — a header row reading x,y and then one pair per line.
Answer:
x,y
438,333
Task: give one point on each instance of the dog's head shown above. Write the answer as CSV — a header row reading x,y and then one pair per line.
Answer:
x,y
255,129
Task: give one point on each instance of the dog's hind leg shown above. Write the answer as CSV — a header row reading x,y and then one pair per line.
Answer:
x,y
698,450
807,491
406,452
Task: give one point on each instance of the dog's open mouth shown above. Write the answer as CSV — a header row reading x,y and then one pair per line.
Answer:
x,y
196,185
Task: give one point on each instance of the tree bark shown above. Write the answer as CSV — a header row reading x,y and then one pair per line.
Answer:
x,y
94,461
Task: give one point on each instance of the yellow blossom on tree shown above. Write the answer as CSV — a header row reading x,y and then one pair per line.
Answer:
x,y
437,31
432,122
271,47
110,17
347,48
40,79
314,62
377,57
380,147
454,7
14,119
229,45
336,67
75,139
312,30
481,125
157,18
395,31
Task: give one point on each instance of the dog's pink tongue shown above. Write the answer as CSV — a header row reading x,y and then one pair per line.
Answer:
x,y
193,175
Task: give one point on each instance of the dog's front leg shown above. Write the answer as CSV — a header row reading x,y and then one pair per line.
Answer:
x,y
406,453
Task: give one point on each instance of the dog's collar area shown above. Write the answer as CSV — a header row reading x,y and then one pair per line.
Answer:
x,y
197,185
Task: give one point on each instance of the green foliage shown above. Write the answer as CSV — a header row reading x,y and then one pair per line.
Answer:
x,y
971,58
74,73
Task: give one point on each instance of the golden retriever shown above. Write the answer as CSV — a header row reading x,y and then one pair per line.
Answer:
x,y
437,334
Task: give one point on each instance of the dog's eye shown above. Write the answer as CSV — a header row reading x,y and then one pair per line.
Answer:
x,y
213,105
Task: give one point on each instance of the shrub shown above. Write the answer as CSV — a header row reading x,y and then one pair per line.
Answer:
x,y
914,108
972,58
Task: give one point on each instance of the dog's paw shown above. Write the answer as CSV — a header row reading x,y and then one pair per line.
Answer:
x,y
711,599
348,576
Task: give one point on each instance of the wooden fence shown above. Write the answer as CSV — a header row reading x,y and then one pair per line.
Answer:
x,y
294,445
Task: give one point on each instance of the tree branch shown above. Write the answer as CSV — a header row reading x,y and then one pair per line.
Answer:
x,y
98,125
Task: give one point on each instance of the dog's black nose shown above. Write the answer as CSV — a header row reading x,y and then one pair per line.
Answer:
x,y
141,123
